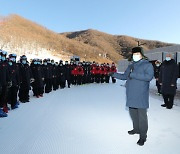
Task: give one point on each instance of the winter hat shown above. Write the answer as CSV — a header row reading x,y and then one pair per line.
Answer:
x,y
138,49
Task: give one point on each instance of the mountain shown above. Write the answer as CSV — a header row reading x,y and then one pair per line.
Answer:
x,y
113,45
21,36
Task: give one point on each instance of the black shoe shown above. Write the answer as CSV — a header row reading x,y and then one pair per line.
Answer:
x,y
163,105
132,132
168,107
141,142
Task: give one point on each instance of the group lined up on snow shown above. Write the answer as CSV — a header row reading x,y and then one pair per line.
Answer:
x,y
44,76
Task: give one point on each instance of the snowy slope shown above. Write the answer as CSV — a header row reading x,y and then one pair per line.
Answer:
x,y
89,119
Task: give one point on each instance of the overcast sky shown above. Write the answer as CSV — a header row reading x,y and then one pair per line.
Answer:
x,y
146,19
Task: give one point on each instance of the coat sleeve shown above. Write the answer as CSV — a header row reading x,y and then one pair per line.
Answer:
x,y
146,76
175,74
123,76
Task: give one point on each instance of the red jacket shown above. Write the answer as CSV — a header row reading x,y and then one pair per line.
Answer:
x,y
93,70
107,70
113,69
97,71
102,70
74,71
80,70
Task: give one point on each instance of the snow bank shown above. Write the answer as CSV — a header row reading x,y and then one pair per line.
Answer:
x,y
89,119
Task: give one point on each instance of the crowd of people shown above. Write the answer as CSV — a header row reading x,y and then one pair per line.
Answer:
x,y
17,78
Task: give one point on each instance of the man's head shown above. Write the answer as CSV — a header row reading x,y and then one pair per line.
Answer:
x,y
137,53
168,57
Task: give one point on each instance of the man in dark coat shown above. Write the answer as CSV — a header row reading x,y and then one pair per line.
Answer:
x,y
26,77
37,73
156,75
168,80
14,78
62,75
138,76
67,73
4,82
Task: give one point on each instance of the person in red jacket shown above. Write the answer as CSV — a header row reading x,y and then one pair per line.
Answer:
x,y
93,72
74,73
106,72
102,73
80,73
113,70
97,73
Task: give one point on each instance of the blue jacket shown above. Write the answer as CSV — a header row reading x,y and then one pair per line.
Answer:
x,y
138,76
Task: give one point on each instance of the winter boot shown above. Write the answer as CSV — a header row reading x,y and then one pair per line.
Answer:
x,y
2,113
141,142
14,107
163,105
132,132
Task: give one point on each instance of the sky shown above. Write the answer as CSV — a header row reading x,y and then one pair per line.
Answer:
x,y
145,19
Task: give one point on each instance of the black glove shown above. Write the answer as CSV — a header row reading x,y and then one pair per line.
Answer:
x,y
0,89
9,85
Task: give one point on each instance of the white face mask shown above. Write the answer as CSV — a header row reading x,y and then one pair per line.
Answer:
x,y
136,58
168,58
157,65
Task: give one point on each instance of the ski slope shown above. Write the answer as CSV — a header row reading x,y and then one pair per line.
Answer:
x,y
88,119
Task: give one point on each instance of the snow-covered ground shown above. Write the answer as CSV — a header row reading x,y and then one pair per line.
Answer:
x,y
88,119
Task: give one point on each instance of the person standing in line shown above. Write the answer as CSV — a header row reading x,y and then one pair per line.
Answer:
x,y
156,75
25,76
14,77
4,82
168,81
113,70
67,73
138,76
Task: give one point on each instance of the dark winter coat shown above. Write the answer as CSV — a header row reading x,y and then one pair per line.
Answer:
x,y
37,75
14,75
50,68
4,73
138,76
157,71
168,76
25,75
45,71
67,72
62,73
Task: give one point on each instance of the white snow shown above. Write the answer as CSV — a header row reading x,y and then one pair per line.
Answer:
x,y
88,119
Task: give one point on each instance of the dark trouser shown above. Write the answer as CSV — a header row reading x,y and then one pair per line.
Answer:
x,y
107,78
158,87
140,121
3,97
97,78
69,83
102,78
62,84
12,96
23,94
93,78
113,80
54,83
48,87
84,79
168,100
79,79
